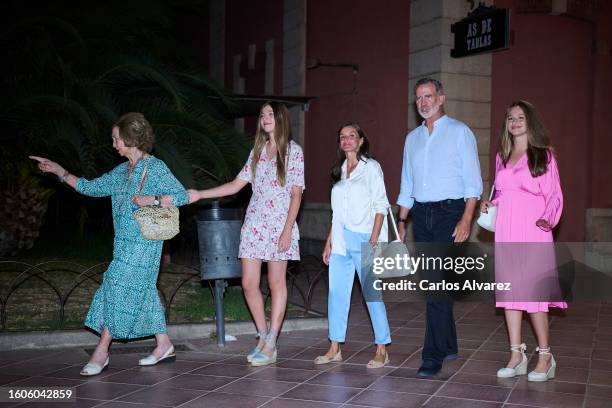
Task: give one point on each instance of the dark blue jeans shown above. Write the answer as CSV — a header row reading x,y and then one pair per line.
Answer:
x,y
435,222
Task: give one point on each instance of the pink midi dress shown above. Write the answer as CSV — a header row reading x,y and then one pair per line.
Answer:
x,y
524,252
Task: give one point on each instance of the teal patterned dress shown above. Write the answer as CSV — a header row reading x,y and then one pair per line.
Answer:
x,y
127,302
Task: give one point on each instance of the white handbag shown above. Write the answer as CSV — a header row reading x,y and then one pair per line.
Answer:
x,y
392,250
487,220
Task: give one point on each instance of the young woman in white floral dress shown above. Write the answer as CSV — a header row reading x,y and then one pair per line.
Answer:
x,y
275,168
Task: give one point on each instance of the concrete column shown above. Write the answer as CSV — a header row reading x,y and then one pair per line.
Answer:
x,y
251,52
269,68
294,61
238,88
216,55
466,81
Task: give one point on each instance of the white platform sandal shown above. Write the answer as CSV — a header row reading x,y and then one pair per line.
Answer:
x,y
537,376
521,368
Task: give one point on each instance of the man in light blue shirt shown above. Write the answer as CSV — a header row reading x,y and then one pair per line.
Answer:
x,y
440,185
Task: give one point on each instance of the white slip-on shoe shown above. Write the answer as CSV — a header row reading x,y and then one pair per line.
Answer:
x,y
93,369
150,360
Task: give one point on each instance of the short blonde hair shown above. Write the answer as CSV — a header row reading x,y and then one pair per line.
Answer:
x,y
136,131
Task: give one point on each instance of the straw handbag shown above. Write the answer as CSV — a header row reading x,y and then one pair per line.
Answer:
x,y
155,222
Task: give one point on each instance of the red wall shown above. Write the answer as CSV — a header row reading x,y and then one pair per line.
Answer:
x,y
375,37
550,64
602,110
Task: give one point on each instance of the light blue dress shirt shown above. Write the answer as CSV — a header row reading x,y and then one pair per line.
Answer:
x,y
440,166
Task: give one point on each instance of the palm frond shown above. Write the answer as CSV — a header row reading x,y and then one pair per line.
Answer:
x,y
123,77
24,110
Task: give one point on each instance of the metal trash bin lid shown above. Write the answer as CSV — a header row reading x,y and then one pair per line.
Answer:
x,y
215,212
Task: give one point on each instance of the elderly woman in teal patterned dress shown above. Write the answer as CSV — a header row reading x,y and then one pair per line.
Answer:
x,y
127,305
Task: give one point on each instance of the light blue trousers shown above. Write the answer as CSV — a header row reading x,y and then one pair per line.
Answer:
x,y
341,276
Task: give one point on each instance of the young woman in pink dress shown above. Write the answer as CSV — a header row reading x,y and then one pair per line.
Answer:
x,y
529,203
275,169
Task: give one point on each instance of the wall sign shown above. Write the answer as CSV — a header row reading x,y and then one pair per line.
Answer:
x,y
484,29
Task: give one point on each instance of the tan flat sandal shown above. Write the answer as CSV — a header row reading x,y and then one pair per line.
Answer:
x,y
377,364
324,359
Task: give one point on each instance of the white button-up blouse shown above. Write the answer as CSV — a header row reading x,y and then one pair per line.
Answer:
x,y
356,201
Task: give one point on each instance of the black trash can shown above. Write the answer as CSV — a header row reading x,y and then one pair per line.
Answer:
x,y
218,242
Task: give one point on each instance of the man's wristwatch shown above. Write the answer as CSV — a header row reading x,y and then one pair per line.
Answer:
x,y
156,201
401,220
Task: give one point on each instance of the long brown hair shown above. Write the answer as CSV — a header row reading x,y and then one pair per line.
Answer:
x,y
364,151
538,142
282,136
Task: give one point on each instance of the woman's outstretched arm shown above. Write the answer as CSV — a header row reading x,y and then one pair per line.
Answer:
x,y
223,190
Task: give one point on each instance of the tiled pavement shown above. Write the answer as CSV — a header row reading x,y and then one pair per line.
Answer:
x,y
206,376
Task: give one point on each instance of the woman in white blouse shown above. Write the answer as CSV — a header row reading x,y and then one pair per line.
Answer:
x,y
359,205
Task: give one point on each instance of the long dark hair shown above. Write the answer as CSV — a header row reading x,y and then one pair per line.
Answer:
x,y
364,151
282,137
539,149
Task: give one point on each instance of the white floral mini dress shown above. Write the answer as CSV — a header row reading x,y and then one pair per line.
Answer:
x,y
267,211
